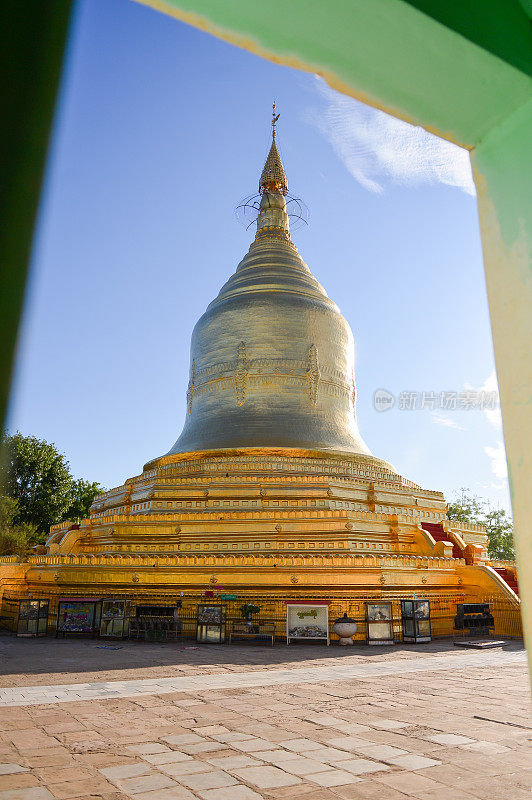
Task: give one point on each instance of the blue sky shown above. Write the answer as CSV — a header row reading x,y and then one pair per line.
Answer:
x,y
160,131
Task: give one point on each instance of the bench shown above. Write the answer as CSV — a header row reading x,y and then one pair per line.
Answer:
x,y
257,630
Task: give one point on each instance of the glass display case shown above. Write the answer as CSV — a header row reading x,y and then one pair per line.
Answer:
x,y
32,617
306,621
415,618
115,618
210,625
79,616
379,623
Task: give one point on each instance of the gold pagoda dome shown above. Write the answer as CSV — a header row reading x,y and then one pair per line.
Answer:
x,y
272,358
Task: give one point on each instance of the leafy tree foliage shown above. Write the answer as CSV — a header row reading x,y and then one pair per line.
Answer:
x,y
38,488
467,508
498,523
14,539
82,496
500,532
37,476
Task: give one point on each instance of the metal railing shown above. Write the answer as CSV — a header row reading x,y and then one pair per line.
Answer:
x,y
273,609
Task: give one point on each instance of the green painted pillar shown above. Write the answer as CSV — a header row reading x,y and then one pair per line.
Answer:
x,y
502,165
31,54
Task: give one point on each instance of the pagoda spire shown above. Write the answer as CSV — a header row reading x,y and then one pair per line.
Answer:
x,y
273,177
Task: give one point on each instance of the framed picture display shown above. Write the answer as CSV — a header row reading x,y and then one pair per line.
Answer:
x,y
415,619
307,621
32,617
115,618
379,623
79,616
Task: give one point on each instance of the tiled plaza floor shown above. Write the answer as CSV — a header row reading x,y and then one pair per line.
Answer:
x,y
431,722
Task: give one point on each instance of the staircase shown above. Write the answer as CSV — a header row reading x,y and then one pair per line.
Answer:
x,y
509,578
439,534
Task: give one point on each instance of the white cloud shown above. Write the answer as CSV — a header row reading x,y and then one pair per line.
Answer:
x,y
375,146
440,419
497,455
490,387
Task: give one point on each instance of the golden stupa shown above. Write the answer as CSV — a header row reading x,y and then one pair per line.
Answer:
x,y
269,494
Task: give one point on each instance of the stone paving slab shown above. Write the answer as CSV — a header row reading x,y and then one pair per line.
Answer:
x,y
68,693
344,728
49,661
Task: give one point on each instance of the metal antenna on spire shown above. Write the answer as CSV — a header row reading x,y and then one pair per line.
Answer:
x,y
274,121
272,183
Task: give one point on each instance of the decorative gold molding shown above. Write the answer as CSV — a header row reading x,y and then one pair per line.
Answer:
x,y
313,374
241,374
191,386
244,373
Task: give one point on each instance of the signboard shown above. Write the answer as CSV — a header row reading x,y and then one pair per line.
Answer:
x,y
76,616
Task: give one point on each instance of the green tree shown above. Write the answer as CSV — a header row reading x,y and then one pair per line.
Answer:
x,y
14,539
500,532
82,496
467,508
498,523
35,474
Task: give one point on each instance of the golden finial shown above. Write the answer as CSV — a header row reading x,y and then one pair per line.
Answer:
x,y
273,175
274,121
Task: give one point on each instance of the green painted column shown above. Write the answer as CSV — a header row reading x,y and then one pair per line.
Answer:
x,y
31,57
385,52
502,166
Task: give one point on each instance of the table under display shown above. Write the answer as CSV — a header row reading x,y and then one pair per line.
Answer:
x,y
260,630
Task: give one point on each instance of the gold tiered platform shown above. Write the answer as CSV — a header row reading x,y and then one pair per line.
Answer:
x,y
269,494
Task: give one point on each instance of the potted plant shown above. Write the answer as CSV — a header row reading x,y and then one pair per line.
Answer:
x,y
247,610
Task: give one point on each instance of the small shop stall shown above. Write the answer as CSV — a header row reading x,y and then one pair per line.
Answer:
x,y
156,623
379,623
210,623
114,621
32,617
415,619
78,615
307,620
